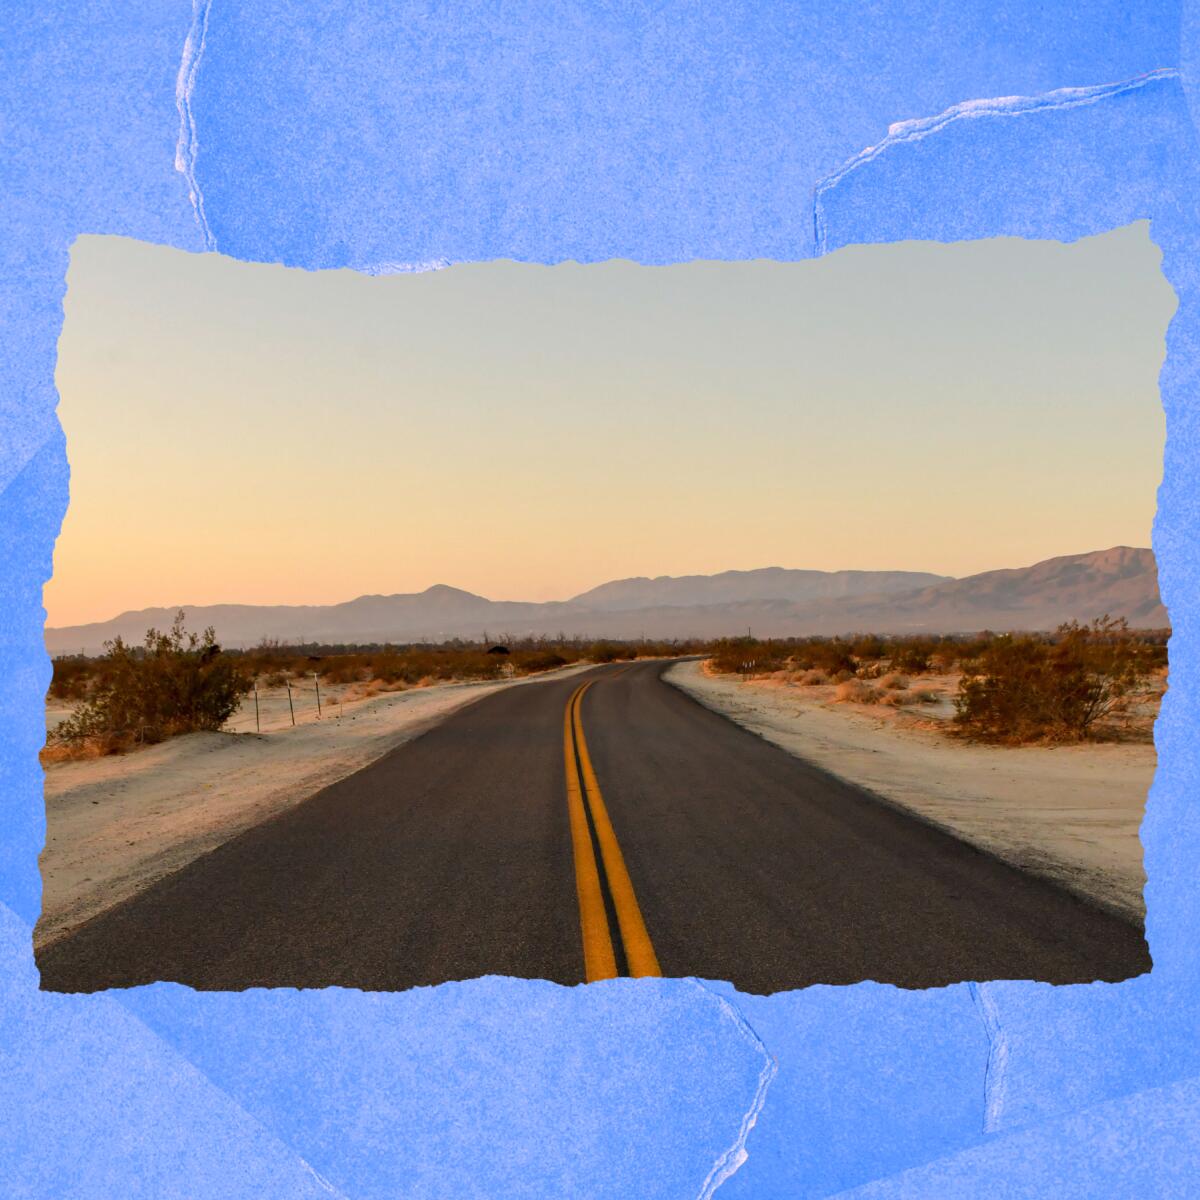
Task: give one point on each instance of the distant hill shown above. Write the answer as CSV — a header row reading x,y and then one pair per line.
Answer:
x,y
772,602
436,613
735,587
1122,582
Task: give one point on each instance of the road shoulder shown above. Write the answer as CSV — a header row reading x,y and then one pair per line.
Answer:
x,y
1070,814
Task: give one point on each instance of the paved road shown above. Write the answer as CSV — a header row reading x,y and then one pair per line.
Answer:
x,y
564,831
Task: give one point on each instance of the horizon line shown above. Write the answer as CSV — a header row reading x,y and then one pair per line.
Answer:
x,y
129,612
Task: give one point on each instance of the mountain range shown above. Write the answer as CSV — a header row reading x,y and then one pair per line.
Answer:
x,y
772,602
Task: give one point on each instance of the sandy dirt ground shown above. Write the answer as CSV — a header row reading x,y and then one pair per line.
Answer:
x,y
1069,812
114,825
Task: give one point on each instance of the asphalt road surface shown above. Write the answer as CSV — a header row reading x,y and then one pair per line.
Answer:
x,y
584,827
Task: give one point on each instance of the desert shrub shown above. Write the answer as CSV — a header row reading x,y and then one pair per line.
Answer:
x,y
769,657
728,655
893,682
813,678
404,666
436,665
747,656
607,652
911,657
72,677
74,749
871,670
867,647
971,649
529,661
176,682
368,688
925,695
342,668
855,691
668,649
391,670
1024,688
831,655
895,699
1154,650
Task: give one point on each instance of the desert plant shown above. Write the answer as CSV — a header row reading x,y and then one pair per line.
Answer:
x,y
831,655
1023,688
607,652
176,682
855,691
912,656
747,656
867,647
529,661
72,677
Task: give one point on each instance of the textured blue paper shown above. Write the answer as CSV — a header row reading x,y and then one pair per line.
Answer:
x,y
389,137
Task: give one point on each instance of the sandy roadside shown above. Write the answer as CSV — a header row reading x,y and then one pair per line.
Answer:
x,y
115,825
1070,813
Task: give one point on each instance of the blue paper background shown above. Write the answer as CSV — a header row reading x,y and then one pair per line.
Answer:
x,y
393,136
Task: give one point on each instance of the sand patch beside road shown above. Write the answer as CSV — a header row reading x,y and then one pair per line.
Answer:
x,y
1070,813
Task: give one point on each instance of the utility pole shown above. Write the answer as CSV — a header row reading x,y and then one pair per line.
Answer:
x,y
257,722
317,685
291,706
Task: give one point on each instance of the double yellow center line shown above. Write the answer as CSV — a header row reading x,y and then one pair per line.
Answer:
x,y
599,959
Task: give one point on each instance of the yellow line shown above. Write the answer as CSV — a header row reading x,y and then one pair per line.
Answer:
x,y
639,951
599,961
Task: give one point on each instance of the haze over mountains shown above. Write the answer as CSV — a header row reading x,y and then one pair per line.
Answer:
x,y
772,602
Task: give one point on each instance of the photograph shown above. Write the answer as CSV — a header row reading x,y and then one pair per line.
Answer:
x,y
762,622
600,601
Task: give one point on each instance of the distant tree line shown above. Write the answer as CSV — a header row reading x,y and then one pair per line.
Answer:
x,y
1013,687
182,682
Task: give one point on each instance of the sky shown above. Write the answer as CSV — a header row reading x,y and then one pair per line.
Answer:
x,y
256,434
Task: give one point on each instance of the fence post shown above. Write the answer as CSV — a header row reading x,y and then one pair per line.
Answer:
x,y
257,722
291,706
317,685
